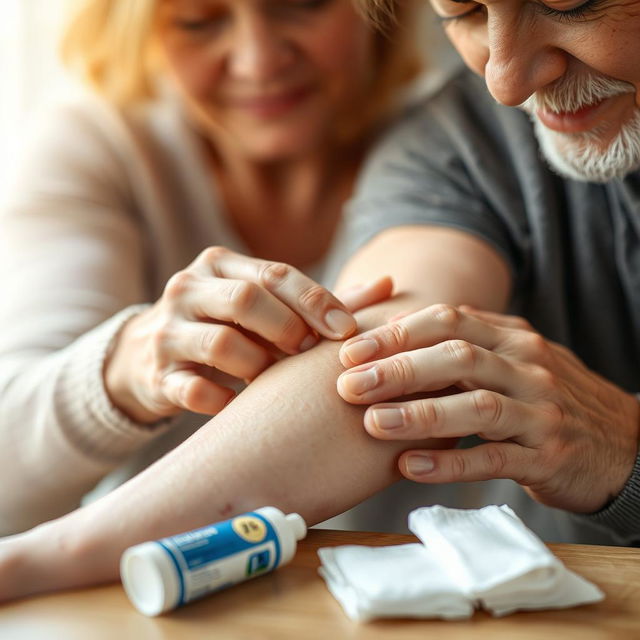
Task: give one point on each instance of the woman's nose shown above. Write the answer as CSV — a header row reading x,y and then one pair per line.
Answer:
x,y
258,50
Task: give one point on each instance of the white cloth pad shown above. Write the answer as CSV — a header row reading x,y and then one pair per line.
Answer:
x,y
398,581
468,559
496,560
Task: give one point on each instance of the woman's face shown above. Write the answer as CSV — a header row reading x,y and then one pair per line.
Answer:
x,y
269,78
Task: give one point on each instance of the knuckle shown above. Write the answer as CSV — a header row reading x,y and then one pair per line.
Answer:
x,y
495,460
161,337
521,323
487,405
314,298
463,352
291,330
543,379
191,392
178,285
157,385
425,412
242,296
458,465
448,316
217,345
552,419
401,370
394,336
272,274
211,255
534,345
170,392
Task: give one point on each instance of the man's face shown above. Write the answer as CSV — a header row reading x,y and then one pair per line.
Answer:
x,y
574,66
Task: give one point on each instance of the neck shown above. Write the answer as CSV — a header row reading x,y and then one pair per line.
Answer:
x,y
290,187
287,210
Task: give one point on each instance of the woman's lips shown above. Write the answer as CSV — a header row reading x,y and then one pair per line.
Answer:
x,y
578,121
270,106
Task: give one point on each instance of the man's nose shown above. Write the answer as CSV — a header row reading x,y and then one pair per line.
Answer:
x,y
520,61
258,51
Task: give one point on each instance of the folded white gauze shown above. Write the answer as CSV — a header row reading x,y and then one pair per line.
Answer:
x,y
399,581
495,559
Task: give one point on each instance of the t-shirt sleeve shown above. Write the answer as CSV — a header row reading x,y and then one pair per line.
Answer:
x,y
426,171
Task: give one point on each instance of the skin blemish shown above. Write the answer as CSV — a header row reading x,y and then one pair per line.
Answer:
x,y
226,511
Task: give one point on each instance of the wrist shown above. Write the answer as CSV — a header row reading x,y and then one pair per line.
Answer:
x,y
25,564
117,370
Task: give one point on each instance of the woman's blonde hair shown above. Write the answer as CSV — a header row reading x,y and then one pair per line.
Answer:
x,y
109,43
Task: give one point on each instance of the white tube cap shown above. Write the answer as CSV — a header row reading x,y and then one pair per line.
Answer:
x,y
297,524
149,578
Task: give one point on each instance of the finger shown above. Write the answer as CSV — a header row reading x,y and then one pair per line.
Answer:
x,y
220,347
451,363
490,415
498,319
253,308
399,316
319,308
484,462
189,391
361,296
420,329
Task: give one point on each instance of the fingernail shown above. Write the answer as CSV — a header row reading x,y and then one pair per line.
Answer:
x,y
340,322
308,342
420,465
360,350
360,381
387,418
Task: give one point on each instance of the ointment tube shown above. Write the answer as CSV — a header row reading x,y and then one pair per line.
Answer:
x,y
164,574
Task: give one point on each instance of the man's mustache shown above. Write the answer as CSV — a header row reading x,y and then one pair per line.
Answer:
x,y
574,92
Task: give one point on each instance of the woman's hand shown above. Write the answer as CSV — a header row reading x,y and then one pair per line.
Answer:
x,y
566,434
225,313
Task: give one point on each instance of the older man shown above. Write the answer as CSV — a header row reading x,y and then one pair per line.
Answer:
x,y
537,153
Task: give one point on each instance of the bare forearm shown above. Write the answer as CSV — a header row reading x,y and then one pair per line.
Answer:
x,y
287,440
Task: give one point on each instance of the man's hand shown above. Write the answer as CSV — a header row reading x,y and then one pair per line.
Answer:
x,y
566,434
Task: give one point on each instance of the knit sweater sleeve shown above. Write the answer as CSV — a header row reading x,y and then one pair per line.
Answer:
x,y
622,515
71,274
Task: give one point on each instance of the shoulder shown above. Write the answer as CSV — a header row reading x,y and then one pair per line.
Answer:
x,y
456,118
84,138
456,159
77,135
85,122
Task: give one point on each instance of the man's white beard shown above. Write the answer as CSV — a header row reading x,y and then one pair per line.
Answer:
x,y
580,155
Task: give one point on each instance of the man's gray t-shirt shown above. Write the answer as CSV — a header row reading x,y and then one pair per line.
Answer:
x,y
461,160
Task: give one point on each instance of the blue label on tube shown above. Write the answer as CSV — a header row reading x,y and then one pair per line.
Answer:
x,y
222,554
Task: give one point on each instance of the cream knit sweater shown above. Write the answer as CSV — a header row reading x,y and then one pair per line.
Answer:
x,y
104,210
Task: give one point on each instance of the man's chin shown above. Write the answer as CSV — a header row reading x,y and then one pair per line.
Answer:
x,y
586,158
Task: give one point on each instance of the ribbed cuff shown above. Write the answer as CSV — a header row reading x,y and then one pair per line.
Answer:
x,y
622,515
91,421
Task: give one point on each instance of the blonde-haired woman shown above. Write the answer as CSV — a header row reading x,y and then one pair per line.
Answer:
x,y
167,233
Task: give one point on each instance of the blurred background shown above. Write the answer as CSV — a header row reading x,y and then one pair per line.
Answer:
x,y
30,71
32,76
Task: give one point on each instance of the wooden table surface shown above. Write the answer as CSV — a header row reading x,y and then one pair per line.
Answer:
x,y
293,602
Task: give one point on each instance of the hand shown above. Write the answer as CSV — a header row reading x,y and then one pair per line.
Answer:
x,y
566,434
225,313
